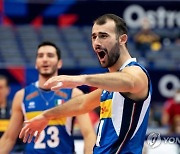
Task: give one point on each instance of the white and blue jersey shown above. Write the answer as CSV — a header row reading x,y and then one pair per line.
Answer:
x,y
123,121
56,138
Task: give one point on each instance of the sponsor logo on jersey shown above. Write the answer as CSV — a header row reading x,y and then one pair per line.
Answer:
x,y
31,105
106,109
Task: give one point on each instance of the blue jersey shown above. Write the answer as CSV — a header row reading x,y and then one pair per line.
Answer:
x,y
56,138
123,121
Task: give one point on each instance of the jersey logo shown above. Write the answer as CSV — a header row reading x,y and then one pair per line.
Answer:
x,y
106,109
31,105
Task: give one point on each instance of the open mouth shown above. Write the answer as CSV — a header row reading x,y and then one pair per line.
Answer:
x,y
45,66
101,54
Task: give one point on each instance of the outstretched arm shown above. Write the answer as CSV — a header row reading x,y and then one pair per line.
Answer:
x,y
76,106
131,79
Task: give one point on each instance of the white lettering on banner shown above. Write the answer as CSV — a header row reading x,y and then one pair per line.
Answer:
x,y
160,18
164,81
154,140
171,140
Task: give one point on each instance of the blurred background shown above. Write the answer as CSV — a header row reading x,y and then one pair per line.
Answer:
x,y
154,39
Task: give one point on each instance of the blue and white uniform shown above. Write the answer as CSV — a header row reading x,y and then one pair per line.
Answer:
x,y
56,138
123,121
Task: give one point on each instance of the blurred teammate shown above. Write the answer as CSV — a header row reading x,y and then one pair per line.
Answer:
x,y
124,101
4,105
5,111
33,99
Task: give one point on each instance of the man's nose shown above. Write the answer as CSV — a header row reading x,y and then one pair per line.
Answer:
x,y
45,58
97,42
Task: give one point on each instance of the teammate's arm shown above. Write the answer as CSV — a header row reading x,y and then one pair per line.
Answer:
x,y
86,127
16,121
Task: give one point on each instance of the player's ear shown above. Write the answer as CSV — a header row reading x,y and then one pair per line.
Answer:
x,y
59,64
123,39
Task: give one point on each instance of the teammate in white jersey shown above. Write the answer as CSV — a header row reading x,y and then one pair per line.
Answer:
x,y
124,101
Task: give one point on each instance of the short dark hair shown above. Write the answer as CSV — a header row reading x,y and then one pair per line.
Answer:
x,y
3,77
58,51
121,27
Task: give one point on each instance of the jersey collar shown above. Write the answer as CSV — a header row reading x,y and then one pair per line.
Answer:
x,y
127,62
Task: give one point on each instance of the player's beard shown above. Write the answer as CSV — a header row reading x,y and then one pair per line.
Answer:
x,y
112,56
49,74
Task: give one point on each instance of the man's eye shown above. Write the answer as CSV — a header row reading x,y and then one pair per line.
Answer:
x,y
39,56
50,55
93,37
103,36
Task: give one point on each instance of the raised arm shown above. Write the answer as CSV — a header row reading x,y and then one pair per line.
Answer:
x,y
10,135
86,127
76,106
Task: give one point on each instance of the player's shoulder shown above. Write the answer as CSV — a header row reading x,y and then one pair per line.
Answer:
x,y
136,66
20,93
17,100
134,70
31,85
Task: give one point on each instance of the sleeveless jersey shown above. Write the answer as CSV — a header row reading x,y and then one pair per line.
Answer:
x,y
56,138
123,121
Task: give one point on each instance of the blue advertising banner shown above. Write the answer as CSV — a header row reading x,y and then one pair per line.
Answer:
x,y
164,84
162,14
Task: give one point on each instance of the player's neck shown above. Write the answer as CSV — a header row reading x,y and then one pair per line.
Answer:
x,y
124,56
43,79
3,103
